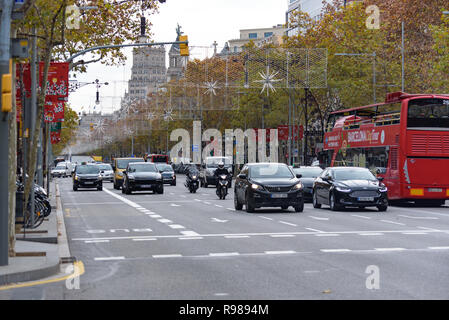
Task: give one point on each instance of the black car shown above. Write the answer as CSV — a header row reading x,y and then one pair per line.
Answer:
x,y
140,176
87,176
308,176
167,172
268,185
341,187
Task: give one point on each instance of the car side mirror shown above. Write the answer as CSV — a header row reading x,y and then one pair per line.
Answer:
x,y
124,171
242,176
326,178
299,176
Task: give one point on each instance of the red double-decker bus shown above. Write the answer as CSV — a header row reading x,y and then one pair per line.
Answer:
x,y
405,140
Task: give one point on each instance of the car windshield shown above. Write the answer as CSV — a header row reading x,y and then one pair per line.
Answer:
x,y
213,162
308,172
61,165
147,167
164,167
123,163
271,171
354,174
105,167
87,169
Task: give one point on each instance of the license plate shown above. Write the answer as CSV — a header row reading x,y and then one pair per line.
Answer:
x,y
435,190
279,195
365,198
88,183
146,186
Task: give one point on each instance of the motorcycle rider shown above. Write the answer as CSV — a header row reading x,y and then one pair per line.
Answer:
x,y
221,170
192,171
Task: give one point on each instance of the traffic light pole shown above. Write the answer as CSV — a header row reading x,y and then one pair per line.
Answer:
x,y
5,56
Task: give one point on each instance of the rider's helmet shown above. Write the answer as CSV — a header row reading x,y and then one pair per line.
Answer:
x,y
221,165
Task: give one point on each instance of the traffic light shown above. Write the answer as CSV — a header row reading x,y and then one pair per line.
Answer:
x,y
184,47
7,91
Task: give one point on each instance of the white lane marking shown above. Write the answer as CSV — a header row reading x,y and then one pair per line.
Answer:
x,y
109,258
183,196
224,254
280,252
312,271
363,217
266,218
419,211
218,220
191,238
430,229
148,239
419,218
221,294
327,235
95,241
190,233
314,230
371,234
128,202
236,237
155,216
412,233
206,202
260,234
288,223
335,250
439,248
282,236
318,218
230,209
393,222
218,206
176,226
174,205
172,194
389,249
197,200
165,221
167,255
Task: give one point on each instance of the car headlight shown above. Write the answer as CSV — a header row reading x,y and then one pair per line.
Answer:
x,y
193,177
383,189
120,174
343,189
256,187
76,178
298,186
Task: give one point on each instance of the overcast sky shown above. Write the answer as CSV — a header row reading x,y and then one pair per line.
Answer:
x,y
204,21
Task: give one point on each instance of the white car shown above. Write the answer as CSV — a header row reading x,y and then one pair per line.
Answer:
x,y
106,171
62,169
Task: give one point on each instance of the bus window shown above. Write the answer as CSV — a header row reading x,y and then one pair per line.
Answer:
x,y
388,114
428,113
371,158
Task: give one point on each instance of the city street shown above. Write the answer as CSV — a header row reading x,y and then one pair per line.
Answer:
x,y
194,246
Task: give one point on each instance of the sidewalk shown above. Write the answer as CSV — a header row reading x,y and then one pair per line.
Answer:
x,y
42,252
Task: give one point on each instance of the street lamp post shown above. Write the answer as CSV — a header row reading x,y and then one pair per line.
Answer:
x,y
374,67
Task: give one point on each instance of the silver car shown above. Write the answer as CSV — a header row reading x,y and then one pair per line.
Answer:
x,y
106,171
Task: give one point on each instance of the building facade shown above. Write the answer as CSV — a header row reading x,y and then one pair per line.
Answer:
x,y
258,36
311,7
177,63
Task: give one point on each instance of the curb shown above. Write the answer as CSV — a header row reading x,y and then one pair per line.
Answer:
x,y
53,269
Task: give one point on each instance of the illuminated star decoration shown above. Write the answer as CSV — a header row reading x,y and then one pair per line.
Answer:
x,y
128,131
211,87
151,116
168,115
99,126
108,140
268,79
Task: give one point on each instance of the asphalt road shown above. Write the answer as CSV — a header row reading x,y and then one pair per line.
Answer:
x,y
194,246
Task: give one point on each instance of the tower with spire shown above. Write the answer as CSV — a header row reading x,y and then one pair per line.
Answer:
x,y
177,63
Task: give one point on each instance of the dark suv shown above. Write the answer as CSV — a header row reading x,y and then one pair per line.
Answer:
x,y
87,176
140,176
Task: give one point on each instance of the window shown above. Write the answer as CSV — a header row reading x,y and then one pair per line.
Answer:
x,y
267,34
371,158
428,113
252,35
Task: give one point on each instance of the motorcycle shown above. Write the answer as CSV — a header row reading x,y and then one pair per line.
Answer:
x,y
222,186
192,184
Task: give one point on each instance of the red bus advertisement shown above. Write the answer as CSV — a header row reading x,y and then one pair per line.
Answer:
x,y
156,158
404,140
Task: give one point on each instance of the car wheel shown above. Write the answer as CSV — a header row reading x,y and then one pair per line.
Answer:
x,y
382,208
284,207
116,187
75,188
249,207
332,204
315,202
300,207
160,190
205,185
100,188
237,205
174,184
